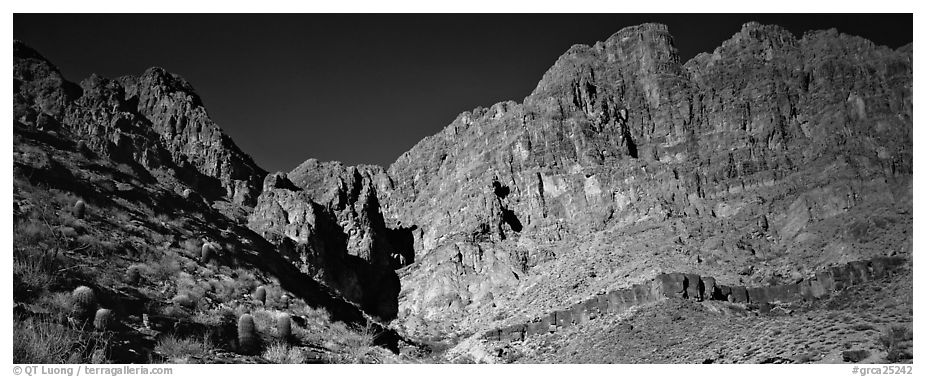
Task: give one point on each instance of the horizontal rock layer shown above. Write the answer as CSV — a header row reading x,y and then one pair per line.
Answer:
x,y
695,287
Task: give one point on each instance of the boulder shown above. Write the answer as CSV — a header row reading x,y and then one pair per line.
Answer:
x,y
539,326
604,303
757,295
859,272
841,277
822,284
694,287
591,308
724,292
738,295
513,333
642,293
579,313
883,266
710,288
671,285
563,318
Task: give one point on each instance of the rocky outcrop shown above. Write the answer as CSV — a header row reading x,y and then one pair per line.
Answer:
x,y
768,146
695,287
155,120
322,240
351,193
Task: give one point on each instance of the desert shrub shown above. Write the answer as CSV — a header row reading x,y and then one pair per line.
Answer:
x,y
184,300
136,273
280,353
218,317
176,312
35,271
41,341
172,346
166,268
57,304
283,302
191,248
803,358
264,319
244,282
854,356
896,341
31,232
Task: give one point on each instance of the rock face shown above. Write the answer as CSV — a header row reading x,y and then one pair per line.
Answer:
x,y
764,149
155,120
758,163
692,287
338,236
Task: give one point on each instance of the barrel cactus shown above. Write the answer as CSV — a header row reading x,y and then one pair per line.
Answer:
x,y
285,326
260,294
83,303
208,252
247,335
103,319
80,209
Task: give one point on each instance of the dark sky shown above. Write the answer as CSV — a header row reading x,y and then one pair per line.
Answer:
x,y
366,88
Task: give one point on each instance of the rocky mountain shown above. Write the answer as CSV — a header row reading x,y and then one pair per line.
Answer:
x,y
765,163
762,161
154,120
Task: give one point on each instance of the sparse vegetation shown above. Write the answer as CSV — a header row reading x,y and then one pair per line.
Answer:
x,y
896,342
281,353
184,300
42,341
173,347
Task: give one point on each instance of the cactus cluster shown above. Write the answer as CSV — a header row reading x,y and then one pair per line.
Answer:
x,y
247,335
260,294
285,326
83,303
103,319
80,209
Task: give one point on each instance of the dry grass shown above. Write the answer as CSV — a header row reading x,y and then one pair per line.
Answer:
x,y
281,353
173,347
41,341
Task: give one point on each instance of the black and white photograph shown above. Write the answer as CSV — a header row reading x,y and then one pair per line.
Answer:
x,y
461,188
